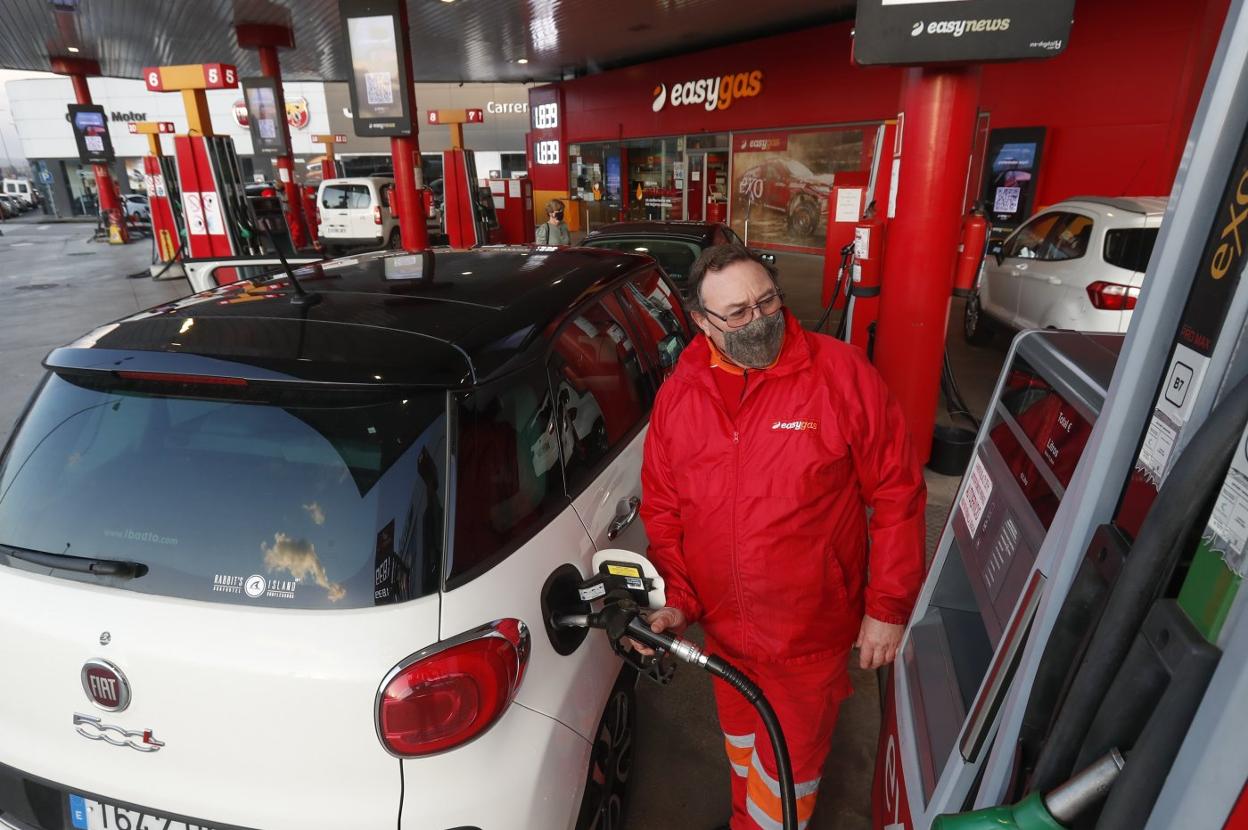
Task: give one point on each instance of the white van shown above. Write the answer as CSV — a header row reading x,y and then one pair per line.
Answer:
x,y
356,212
23,189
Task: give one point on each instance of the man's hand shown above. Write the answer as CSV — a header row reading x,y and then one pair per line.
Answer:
x,y
660,620
877,643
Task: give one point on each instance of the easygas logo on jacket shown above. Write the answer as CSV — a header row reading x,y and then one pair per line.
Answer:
x,y
712,93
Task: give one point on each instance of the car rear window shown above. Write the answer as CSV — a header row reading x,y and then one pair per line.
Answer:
x,y
675,256
346,197
1130,248
299,501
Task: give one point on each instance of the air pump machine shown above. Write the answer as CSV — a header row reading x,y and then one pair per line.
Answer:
x,y
1084,596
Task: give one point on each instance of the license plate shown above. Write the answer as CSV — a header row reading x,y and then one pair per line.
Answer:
x,y
94,815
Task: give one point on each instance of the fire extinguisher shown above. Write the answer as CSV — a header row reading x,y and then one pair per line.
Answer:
x,y
975,230
864,288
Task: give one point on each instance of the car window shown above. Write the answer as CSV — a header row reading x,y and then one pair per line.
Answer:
x,y
1130,248
732,237
1030,241
230,497
1070,237
602,393
507,473
660,321
346,197
675,256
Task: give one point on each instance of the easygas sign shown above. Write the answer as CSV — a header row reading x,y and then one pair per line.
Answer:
x,y
714,93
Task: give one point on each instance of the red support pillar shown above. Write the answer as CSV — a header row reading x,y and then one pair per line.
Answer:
x,y
406,152
939,107
266,38
109,202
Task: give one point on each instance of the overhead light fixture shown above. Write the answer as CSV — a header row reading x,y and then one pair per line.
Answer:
x,y
522,60
73,49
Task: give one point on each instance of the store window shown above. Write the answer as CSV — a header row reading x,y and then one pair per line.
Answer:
x,y
655,179
782,182
83,198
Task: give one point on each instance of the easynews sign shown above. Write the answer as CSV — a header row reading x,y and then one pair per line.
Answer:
x,y
960,31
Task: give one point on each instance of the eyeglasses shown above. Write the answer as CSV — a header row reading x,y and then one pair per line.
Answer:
x,y
767,306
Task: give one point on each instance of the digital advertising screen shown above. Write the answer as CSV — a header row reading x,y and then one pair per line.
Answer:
x,y
90,126
379,70
263,114
1011,167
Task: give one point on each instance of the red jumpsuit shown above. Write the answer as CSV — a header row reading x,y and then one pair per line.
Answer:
x,y
755,490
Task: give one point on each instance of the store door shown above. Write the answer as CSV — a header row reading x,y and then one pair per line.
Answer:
x,y
695,186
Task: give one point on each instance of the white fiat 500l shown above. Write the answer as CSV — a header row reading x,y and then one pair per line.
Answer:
x,y
269,562
1076,265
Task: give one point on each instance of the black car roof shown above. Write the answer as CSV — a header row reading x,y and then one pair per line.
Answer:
x,y
443,318
703,232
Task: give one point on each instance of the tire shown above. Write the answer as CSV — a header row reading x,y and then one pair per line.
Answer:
x,y
395,241
976,329
803,217
611,759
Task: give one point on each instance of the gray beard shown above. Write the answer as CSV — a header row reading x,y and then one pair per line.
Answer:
x,y
756,345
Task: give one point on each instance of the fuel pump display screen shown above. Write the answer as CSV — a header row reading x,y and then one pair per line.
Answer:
x,y
379,67
1053,426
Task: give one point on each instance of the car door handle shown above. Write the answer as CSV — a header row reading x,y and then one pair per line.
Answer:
x,y
622,520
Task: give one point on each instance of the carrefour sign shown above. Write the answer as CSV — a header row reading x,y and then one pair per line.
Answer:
x,y
714,93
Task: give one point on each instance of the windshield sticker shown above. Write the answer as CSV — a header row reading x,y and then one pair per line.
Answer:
x,y
255,586
141,536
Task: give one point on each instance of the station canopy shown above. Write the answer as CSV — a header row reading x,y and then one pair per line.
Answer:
x,y
452,40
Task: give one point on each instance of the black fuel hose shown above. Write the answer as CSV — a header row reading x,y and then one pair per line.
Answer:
x,y
730,674
1195,478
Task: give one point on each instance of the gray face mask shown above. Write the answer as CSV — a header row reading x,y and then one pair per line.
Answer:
x,y
756,345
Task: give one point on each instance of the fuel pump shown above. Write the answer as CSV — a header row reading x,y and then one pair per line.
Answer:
x,y
625,585
468,214
218,219
1074,604
156,174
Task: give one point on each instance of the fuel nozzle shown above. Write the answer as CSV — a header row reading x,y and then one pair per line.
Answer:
x,y
1054,811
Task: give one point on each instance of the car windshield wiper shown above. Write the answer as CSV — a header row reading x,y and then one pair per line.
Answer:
x,y
80,564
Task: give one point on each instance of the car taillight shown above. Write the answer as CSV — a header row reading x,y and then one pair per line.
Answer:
x,y
174,378
268,193
448,697
1112,296
377,214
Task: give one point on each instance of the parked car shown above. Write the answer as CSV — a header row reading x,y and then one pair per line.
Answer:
x,y
357,212
302,555
1078,264
788,186
24,190
10,207
674,245
138,208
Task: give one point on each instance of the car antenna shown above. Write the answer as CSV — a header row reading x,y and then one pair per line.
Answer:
x,y
302,296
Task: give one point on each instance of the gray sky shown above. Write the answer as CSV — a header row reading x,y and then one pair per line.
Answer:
x,y
10,147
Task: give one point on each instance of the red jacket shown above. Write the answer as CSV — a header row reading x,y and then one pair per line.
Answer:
x,y
758,524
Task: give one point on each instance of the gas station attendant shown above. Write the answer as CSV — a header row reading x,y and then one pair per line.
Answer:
x,y
767,447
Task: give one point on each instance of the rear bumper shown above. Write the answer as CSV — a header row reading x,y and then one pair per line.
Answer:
x,y
351,241
526,772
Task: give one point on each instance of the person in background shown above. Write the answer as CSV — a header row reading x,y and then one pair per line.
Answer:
x,y
554,231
